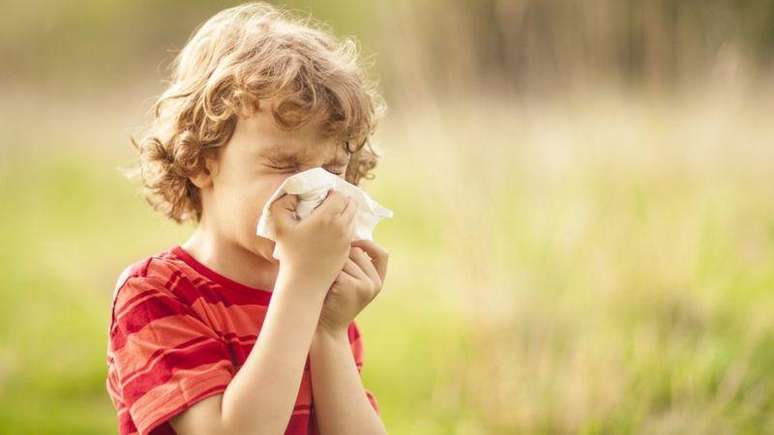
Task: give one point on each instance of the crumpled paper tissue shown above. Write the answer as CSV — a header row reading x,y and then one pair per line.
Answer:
x,y
312,186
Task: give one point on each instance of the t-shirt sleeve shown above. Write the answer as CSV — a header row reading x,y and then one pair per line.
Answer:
x,y
165,357
356,342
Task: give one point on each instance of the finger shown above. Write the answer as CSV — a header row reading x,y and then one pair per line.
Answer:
x,y
350,211
347,219
378,255
284,208
350,229
333,203
352,268
362,260
287,201
348,208
345,279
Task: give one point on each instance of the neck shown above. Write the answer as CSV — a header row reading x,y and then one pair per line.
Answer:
x,y
230,259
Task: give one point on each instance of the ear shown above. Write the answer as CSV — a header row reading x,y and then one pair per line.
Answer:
x,y
205,177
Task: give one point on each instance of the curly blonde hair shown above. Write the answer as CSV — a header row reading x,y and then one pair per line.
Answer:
x,y
237,58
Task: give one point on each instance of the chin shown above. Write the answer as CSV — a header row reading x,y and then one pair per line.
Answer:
x,y
270,256
264,248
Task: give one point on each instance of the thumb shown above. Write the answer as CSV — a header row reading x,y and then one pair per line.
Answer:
x,y
283,211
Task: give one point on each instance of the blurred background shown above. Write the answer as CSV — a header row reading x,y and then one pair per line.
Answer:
x,y
583,239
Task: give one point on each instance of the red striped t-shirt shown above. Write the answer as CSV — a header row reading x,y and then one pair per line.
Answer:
x,y
178,333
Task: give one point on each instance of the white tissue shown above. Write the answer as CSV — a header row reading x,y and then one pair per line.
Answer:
x,y
312,186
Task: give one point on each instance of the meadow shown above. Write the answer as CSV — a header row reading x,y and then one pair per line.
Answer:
x,y
597,263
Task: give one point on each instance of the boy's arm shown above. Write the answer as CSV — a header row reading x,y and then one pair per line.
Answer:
x,y
340,402
260,397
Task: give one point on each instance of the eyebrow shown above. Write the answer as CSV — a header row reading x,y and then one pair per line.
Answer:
x,y
278,156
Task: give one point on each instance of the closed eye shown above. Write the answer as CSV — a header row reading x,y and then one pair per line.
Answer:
x,y
296,169
289,169
334,172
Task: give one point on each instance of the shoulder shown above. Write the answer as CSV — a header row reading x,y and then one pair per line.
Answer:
x,y
162,356
158,270
153,276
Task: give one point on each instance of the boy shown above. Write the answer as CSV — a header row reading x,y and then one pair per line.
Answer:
x,y
195,346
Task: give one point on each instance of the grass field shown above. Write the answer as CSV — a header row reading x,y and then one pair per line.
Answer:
x,y
586,265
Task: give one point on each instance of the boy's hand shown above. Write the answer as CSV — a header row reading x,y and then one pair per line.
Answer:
x,y
315,247
356,285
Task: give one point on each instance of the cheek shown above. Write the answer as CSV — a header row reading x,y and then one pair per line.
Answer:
x,y
262,246
249,212
243,205
260,198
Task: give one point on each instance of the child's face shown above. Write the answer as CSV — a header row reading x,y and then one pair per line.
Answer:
x,y
251,166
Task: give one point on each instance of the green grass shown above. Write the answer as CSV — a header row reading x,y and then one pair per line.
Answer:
x,y
596,266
